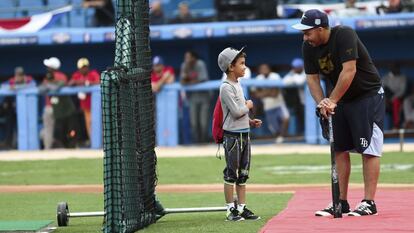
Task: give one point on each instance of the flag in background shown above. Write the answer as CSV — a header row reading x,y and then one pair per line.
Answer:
x,y
33,23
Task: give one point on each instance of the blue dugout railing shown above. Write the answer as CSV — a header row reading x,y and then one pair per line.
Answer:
x,y
167,112
28,116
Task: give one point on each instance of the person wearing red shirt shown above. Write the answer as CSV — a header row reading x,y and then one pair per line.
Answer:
x,y
160,74
20,79
85,77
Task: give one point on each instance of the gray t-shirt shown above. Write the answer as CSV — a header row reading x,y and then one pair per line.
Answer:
x,y
232,99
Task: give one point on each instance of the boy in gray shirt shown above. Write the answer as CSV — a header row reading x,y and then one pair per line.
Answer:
x,y
236,138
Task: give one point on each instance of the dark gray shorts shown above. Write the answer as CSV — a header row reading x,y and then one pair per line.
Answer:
x,y
237,154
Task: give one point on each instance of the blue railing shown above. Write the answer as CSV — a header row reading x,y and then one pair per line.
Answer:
x,y
167,112
27,114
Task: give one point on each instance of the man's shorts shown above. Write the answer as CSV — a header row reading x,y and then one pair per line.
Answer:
x,y
237,153
358,125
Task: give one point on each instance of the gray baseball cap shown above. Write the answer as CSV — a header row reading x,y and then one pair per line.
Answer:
x,y
226,57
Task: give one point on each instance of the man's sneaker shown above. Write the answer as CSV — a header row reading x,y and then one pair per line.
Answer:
x,y
329,211
233,215
249,215
364,208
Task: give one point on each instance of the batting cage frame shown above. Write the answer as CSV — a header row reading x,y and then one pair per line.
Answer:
x,y
128,119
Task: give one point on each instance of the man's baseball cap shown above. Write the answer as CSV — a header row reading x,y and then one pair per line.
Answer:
x,y
226,57
52,62
311,19
157,60
82,62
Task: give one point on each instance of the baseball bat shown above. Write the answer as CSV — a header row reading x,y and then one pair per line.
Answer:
x,y
337,208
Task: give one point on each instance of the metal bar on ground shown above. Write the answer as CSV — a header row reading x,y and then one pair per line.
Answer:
x,y
192,210
167,211
87,214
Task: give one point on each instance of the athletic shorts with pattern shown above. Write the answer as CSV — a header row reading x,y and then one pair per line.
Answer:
x,y
237,154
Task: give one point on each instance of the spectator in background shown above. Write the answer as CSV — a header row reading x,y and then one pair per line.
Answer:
x,y
20,80
394,6
84,76
408,107
395,86
160,74
104,12
184,14
351,10
156,13
58,109
8,121
295,97
193,71
276,112
8,106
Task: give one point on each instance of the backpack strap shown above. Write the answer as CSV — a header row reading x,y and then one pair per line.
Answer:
x,y
235,91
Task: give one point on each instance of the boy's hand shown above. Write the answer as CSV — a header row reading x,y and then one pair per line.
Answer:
x,y
256,123
249,104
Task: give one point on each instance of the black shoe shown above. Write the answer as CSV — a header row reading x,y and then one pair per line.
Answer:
x,y
234,215
329,211
249,215
364,208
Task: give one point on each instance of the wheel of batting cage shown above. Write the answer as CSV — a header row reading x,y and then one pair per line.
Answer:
x,y
62,214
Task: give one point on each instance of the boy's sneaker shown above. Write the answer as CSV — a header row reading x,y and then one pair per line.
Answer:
x,y
365,208
249,215
329,211
233,215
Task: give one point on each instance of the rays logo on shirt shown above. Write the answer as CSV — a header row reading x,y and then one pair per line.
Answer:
x,y
325,64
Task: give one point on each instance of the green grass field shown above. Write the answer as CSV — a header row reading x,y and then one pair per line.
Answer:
x,y
277,169
265,169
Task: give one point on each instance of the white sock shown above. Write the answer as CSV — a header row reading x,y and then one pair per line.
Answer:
x,y
230,205
240,207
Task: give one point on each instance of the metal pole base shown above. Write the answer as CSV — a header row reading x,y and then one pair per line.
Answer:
x,y
63,213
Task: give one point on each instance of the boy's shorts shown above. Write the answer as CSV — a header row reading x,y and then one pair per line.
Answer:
x,y
358,125
237,154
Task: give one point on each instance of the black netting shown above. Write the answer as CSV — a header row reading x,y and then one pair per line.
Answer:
x,y
128,124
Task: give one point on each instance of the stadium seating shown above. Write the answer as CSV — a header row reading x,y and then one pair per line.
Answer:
x,y
7,8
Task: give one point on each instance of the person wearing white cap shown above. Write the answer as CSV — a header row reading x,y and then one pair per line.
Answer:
x,y
85,77
57,108
356,102
236,136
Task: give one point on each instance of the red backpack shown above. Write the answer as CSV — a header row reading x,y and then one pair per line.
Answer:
x,y
218,122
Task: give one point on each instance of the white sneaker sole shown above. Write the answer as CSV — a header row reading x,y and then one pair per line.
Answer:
x,y
321,213
228,220
326,214
353,214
